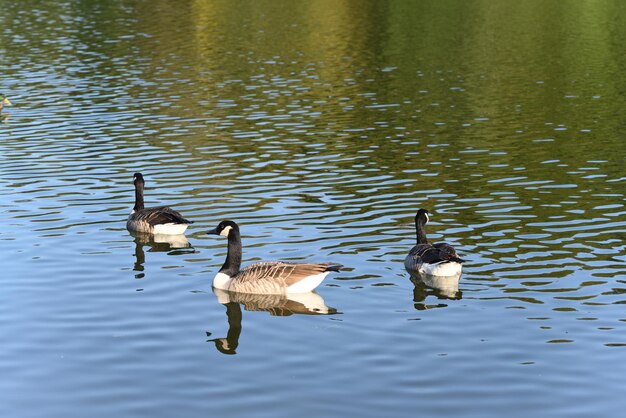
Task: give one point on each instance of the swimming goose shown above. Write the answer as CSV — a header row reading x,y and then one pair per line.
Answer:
x,y
434,259
269,277
4,101
156,220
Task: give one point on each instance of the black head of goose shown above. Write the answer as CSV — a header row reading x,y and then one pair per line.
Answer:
x,y
155,220
433,259
269,277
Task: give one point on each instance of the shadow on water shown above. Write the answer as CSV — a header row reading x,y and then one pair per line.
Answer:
x,y
441,287
309,303
171,244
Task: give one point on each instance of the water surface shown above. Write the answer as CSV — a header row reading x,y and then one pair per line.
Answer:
x,y
321,128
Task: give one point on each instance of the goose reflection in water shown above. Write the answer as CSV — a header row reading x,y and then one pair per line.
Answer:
x,y
172,244
442,287
309,303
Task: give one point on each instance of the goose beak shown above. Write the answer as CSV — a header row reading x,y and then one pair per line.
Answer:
x,y
213,232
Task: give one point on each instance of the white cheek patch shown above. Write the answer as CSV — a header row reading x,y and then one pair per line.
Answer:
x,y
225,231
427,217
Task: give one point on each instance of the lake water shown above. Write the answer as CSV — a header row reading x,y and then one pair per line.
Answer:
x,y
320,127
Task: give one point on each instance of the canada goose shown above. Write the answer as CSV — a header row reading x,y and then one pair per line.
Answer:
x,y
156,220
4,101
434,259
270,277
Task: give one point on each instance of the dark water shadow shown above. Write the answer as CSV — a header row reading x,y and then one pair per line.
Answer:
x,y
309,303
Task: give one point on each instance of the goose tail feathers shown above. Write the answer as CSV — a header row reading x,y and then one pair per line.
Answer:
x,y
334,267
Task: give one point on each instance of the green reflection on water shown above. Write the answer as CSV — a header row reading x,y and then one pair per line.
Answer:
x,y
519,104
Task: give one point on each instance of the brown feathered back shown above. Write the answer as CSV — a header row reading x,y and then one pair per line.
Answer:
x,y
276,276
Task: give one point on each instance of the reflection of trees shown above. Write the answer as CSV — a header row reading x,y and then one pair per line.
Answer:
x,y
336,66
338,96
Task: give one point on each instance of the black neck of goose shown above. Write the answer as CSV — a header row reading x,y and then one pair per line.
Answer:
x,y
233,257
138,196
420,230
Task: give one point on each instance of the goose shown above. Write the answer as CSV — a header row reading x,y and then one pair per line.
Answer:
x,y
433,259
267,277
156,220
4,101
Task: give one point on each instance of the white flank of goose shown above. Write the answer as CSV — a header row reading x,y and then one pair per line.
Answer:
x,y
156,220
433,259
268,277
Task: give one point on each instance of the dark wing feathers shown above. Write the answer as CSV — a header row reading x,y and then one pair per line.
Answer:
x,y
160,215
447,252
433,254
